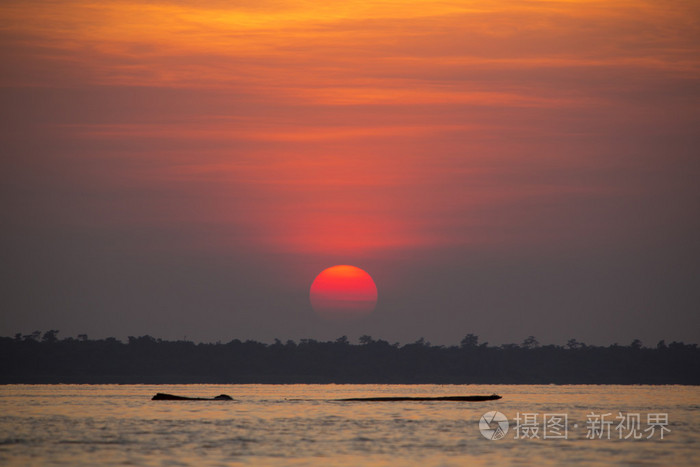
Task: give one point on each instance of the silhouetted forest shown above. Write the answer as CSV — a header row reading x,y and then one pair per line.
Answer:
x,y
44,358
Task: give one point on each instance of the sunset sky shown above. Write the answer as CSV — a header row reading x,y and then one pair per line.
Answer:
x,y
499,168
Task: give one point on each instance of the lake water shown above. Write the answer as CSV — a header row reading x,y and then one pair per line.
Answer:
x,y
302,425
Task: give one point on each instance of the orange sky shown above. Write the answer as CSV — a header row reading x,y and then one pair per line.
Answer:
x,y
351,131
346,124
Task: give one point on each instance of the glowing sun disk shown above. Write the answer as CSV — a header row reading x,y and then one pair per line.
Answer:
x,y
343,292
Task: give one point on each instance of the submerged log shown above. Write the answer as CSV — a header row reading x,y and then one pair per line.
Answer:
x,y
492,397
161,396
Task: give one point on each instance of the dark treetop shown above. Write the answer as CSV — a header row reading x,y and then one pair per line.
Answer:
x,y
44,358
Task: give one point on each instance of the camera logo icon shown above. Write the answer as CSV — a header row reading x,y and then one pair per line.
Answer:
x,y
493,425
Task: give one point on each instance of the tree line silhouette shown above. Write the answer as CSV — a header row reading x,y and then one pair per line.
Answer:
x,y
44,358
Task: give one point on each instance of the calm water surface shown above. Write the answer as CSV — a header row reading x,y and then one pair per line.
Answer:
x,y
302,425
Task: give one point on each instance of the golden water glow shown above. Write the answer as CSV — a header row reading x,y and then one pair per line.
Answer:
x,y
269,423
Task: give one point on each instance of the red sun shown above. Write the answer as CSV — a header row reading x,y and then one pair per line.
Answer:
x,y
343,292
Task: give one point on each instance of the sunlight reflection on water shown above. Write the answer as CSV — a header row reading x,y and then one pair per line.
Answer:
x,y
302,425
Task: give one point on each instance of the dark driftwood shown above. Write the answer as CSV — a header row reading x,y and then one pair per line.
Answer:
x,y
492,397
169,397
223,397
